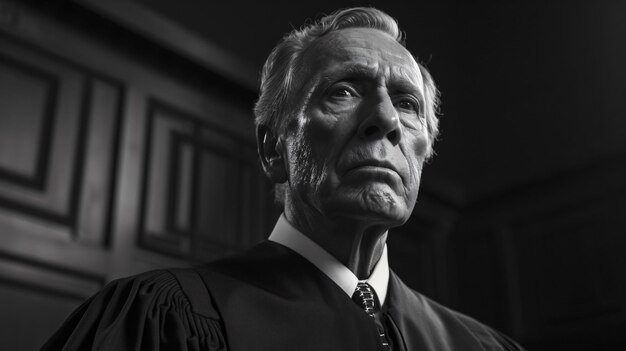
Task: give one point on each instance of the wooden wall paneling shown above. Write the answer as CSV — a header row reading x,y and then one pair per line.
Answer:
x,y
238,203
153,96
248,195
142,84
59,125
257,208
189,154
21,236
572,272
129,256
150,99
412,255
54,280
56,132
479,288
54,137
253,196
25,126
419,250
547,195
560,246
104,113
217,202
512,315
228,157
168,34
182,156
35,298
32,316
42,210
110,140
163,128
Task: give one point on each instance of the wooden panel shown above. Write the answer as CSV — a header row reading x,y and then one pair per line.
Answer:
x,y
548,257
52,141
480,274
55,280
164,129
202,184
71,130
27,97
257,210
572,269
37,299
111,174
412,255
216,209
182,173
34,316
418,250
233,202
101,143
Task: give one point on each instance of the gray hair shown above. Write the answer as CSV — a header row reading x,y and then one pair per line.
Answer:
x,y
278,78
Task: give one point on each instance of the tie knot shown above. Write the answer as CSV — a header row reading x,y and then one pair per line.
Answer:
x,y
365,297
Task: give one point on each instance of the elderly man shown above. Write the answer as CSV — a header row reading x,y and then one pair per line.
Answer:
x,y
345,120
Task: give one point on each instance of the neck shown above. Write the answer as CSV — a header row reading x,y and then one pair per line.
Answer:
x,y
357,245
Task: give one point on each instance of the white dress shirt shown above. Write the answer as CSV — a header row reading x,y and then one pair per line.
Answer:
x,y
285,234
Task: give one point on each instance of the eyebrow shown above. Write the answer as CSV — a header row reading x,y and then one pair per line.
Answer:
x,y
347,71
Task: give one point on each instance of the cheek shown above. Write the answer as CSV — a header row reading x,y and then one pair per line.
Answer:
x,y
324,133
319,125
421,145
416,147
415,151
307,159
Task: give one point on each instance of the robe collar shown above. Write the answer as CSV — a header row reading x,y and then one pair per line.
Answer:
x,y
286,234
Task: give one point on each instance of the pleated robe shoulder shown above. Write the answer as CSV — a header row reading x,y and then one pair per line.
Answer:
x,y
268,298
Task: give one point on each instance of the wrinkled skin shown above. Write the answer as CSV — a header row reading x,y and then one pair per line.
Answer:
x,y
354,152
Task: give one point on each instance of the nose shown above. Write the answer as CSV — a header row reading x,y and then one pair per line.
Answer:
x,y
381,120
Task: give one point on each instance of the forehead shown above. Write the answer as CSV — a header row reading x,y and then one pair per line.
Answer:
x,y
365,49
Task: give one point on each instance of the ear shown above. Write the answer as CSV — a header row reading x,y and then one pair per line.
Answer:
x,y
270,148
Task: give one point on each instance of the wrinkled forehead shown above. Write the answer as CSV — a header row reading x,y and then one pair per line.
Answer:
x,y
368,48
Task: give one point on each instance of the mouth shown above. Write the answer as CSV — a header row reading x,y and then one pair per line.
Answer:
x,y
374,166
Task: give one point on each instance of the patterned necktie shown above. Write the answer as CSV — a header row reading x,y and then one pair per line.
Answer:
x,y
365,297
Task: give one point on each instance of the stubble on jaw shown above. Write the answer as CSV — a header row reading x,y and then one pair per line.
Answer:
x,y
305,176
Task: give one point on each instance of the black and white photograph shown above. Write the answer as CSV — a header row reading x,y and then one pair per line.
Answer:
x,y
322,175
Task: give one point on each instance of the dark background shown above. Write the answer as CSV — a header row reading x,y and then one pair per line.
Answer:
x,y
522,213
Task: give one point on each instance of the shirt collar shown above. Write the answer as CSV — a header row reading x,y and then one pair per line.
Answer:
x,y
284,233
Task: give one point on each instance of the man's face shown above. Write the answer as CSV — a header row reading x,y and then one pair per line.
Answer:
x,y
357,144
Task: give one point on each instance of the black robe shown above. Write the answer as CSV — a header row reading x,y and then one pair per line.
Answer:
x,y
269,298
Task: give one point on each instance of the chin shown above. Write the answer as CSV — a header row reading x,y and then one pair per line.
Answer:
x,y
379,207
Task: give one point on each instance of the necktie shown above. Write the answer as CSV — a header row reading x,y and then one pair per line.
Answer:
x,y
365,297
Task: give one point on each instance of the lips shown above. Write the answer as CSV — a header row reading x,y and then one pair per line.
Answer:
x,y
374,163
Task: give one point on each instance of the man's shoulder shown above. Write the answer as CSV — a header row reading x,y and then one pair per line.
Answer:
x,y
147,300
488,336
440,310
156,281
439,317
266,256
160,288
267,265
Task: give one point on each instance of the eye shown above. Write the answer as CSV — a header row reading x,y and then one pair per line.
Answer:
x,y
342,92
408,104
